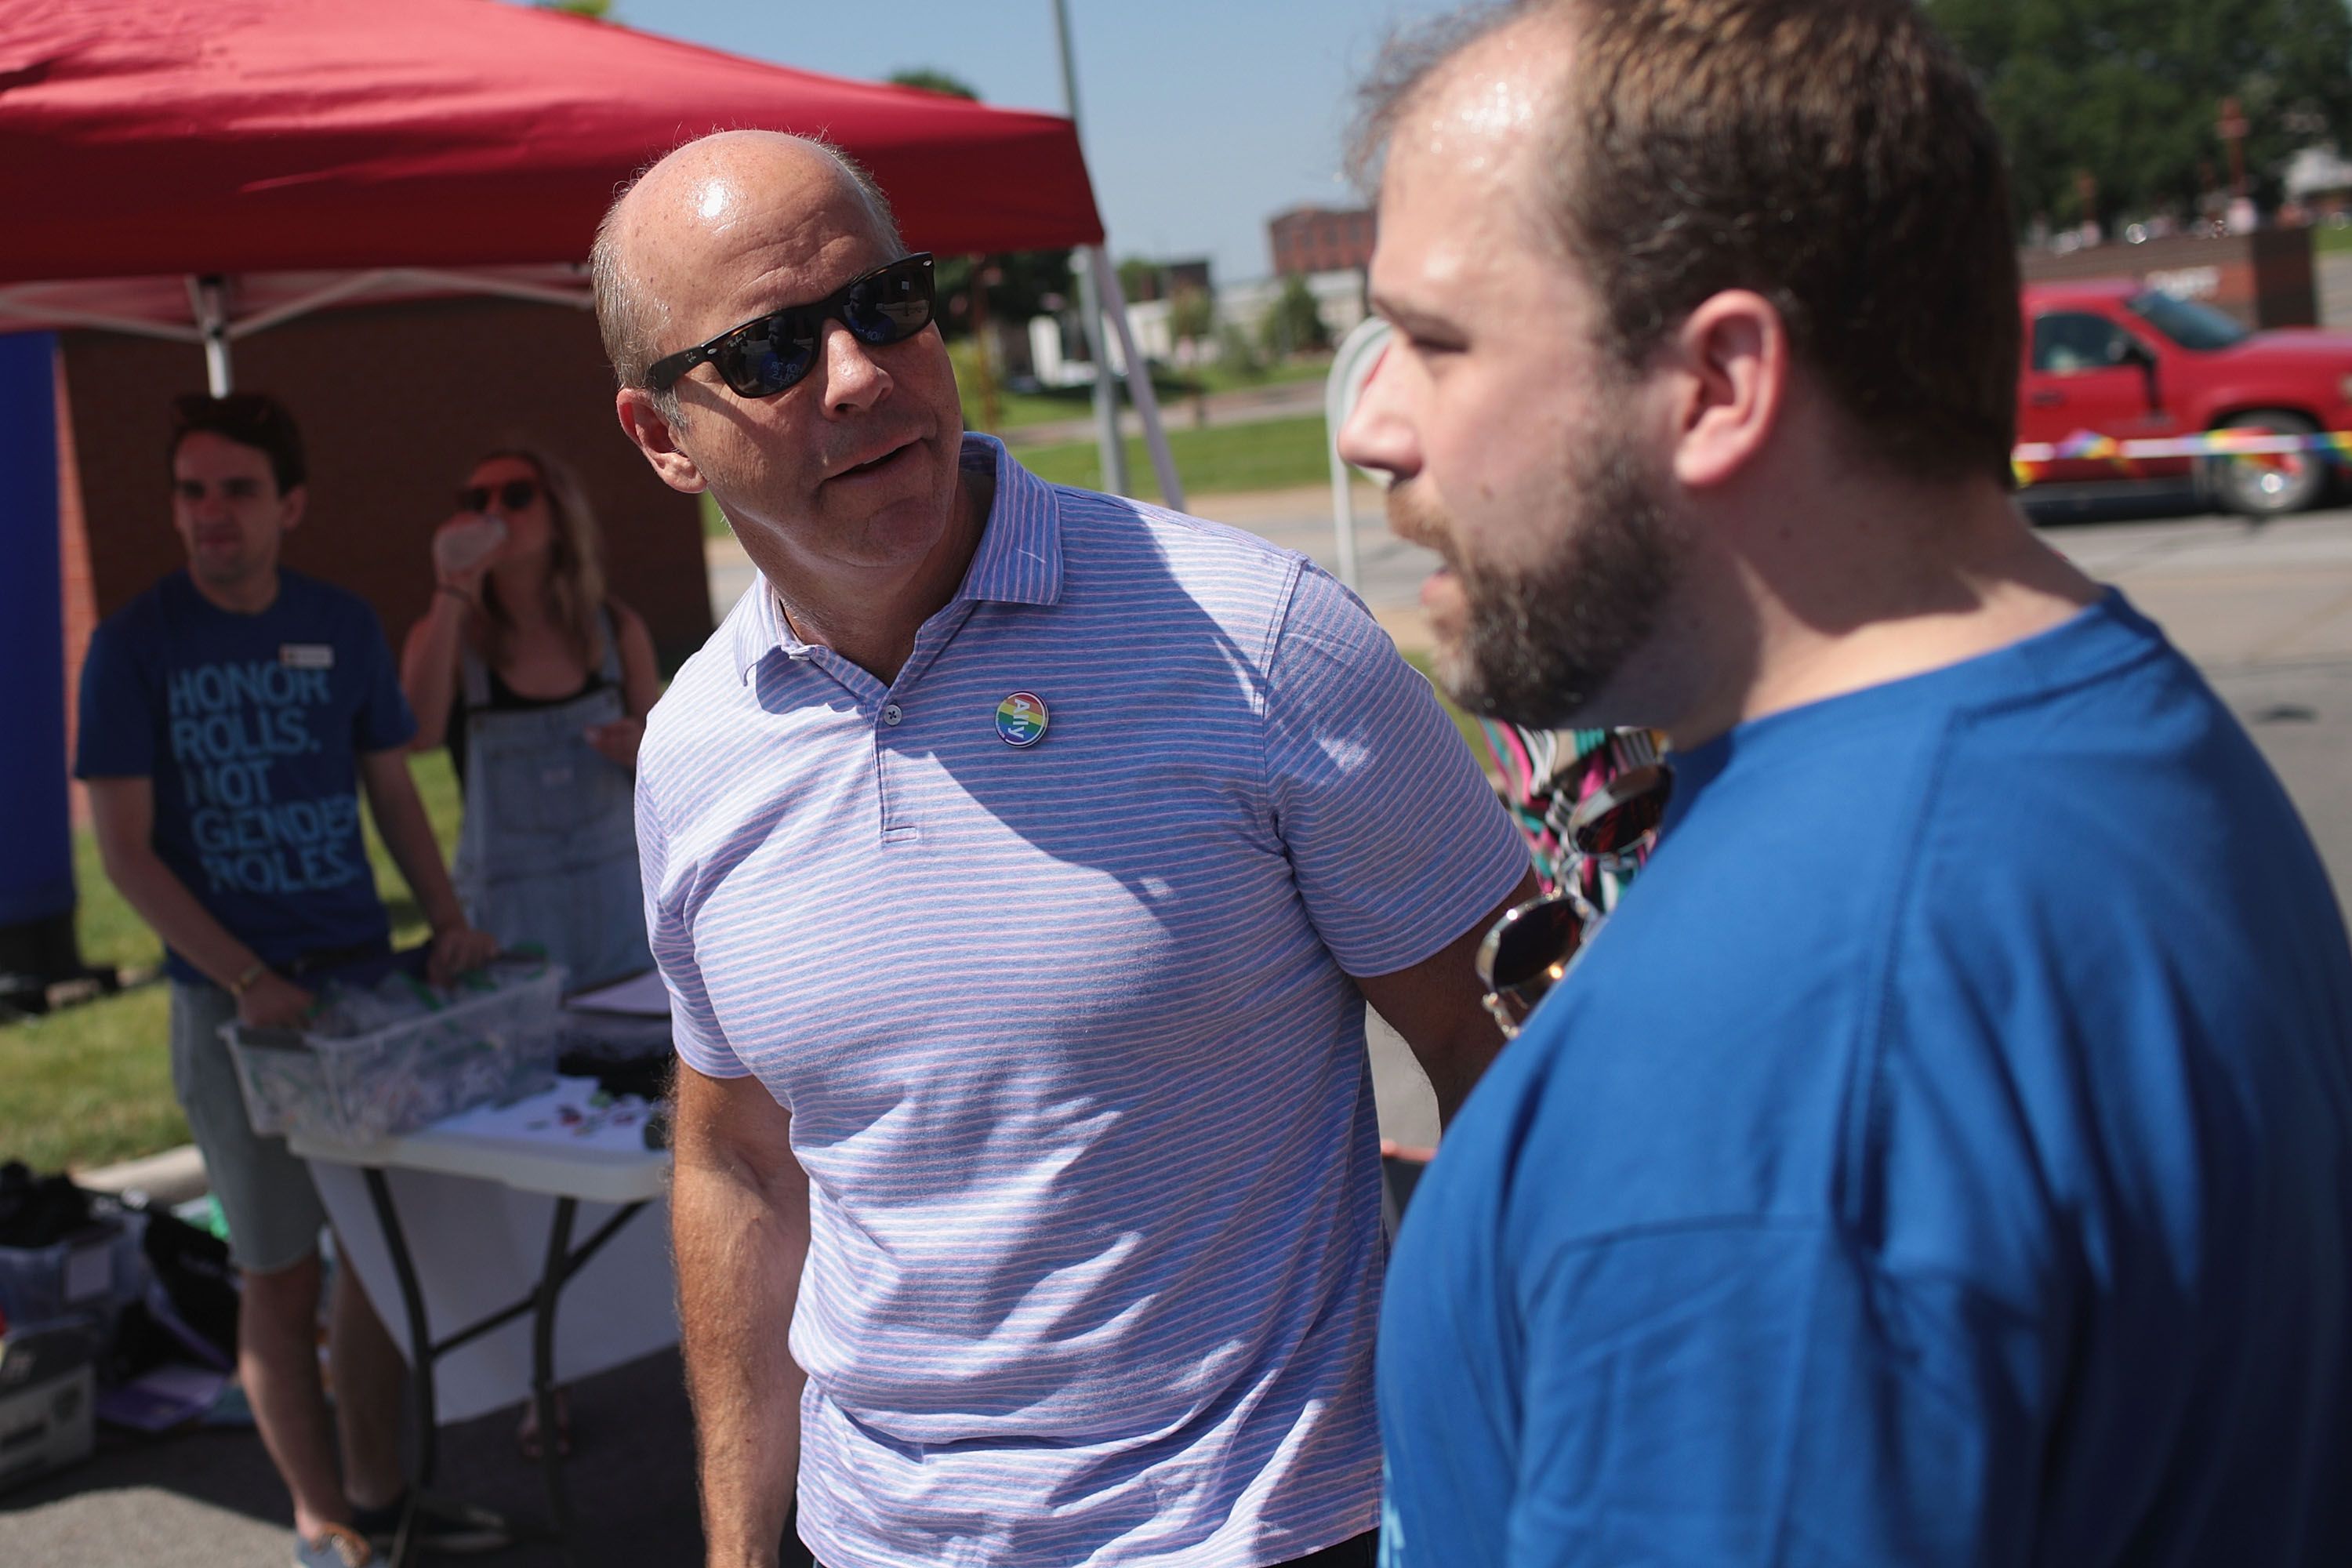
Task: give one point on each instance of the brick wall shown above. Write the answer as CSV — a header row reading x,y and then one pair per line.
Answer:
x,y
395,403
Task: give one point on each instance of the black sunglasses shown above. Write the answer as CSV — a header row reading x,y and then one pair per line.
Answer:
x,y
1617,816
1525,953
513,496
770,354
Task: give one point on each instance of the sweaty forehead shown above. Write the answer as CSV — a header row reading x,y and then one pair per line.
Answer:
x,y
745,224
1465,176
1484,112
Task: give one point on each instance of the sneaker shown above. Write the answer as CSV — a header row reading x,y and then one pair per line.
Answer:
x,y
337,1546
442,1525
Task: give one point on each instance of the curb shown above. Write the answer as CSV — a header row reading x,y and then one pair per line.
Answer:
x,y
172,1177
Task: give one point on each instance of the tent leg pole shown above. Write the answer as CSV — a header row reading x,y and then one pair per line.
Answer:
x,y
1114,451
1138,380
206,298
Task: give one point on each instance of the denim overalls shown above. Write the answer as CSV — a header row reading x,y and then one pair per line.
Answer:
x,y
548,851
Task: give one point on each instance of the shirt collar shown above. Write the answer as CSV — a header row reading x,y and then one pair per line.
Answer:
x,y
1019,561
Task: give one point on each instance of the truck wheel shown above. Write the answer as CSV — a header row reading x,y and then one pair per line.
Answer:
x,y
2272,485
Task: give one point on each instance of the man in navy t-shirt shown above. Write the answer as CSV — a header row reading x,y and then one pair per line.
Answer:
x,y
1943,1155
231,717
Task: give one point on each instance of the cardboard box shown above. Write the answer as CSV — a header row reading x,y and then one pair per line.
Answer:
x,y
47,1402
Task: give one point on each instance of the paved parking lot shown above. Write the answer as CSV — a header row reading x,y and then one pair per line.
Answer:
x,y
2265,611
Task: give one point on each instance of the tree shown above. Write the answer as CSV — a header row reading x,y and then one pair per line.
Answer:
x,y
2129,91
1192,314
1296,324
594,10
1138,279
1021,284
931,80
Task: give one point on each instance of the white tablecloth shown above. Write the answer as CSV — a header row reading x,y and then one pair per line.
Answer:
x,y
478,1242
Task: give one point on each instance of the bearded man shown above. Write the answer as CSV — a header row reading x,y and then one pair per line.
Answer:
x,y
1943,1155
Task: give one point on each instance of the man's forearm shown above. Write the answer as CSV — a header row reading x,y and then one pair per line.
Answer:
x,y
186,927
738,1248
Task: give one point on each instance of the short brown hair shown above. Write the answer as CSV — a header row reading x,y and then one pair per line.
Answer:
x,y
252,419
1832,155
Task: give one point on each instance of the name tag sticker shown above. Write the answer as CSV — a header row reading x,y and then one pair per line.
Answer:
x,y
307,655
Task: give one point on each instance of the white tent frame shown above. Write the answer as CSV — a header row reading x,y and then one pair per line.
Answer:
x,y
23,308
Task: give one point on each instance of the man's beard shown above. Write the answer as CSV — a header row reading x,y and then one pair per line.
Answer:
x,y
1541,645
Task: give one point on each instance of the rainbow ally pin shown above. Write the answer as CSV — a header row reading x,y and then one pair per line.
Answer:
x,y
1021,719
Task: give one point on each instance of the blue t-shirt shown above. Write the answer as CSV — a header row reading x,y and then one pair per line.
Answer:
x,y
1944,1156
251,728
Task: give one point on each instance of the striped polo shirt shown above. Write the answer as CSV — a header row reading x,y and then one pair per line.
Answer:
x,y
1045,946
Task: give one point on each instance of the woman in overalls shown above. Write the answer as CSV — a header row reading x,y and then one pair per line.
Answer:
x,y
539,684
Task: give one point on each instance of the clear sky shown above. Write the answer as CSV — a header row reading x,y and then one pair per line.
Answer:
x,y
1201,118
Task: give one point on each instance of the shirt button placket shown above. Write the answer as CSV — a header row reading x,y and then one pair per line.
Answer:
x,y
892,713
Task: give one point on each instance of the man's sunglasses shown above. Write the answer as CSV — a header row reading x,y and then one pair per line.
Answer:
x,y
513,496
773,353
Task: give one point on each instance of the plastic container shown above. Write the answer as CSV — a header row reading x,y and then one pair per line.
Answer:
x,y
90,1275
494,1045
463,543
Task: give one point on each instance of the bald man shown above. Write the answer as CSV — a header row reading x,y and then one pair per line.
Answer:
x,y
1020,861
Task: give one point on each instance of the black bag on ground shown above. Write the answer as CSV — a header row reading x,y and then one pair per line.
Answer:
x,y
39,1211
198,1281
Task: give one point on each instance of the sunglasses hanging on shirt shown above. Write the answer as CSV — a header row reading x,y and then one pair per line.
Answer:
x,y
1530,948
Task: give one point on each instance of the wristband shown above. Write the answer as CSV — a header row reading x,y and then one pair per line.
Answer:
x,y
244,983
457,593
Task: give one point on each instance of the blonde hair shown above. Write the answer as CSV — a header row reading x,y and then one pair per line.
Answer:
x,y
576,564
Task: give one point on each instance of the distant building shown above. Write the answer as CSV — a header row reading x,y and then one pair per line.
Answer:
x,y
1319,239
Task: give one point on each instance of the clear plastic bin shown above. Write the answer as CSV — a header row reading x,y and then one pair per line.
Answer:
x,y
93,1273
494,1045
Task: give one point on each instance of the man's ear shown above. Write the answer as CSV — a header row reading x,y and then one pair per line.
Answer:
x,y
1730,364
650,430
290,508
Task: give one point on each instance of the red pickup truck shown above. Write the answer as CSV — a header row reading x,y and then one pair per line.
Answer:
x,y
2114,358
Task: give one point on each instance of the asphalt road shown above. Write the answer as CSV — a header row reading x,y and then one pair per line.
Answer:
x,y
2265,611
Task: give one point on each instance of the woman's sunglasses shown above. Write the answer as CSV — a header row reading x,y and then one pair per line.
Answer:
x,y
773,353
513,496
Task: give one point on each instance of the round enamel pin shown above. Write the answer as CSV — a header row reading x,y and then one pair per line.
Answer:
x,y
1021,719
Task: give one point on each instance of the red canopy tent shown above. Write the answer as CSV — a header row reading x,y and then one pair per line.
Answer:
x,y
204,169
226,136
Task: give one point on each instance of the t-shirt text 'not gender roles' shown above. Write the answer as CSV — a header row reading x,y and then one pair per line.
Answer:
x,y
250,727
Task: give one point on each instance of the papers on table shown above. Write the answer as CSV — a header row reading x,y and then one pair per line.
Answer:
x,y
573,1114
642,996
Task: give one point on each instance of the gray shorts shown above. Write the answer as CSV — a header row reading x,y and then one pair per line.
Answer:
x,y
266,1194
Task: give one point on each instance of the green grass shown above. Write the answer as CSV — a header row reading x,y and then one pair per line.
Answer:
x,y
92,1084
1272,454
1472,736
2327,239
1020,410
